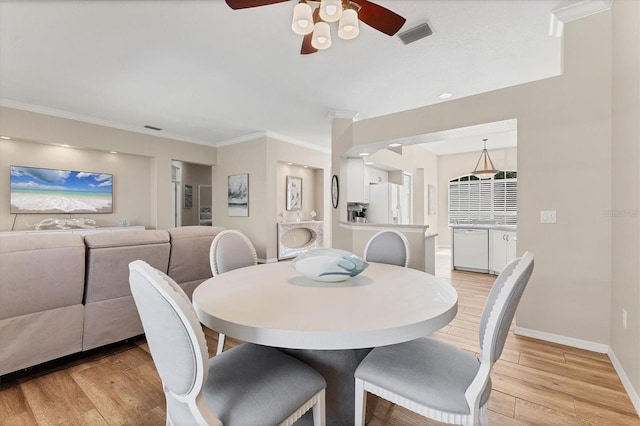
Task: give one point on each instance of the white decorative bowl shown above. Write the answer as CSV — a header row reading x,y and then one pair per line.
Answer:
x,y
329,265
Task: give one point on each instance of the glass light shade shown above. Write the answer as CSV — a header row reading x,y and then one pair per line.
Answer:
x,y
330,10
302,19
488,169
321,36
349,27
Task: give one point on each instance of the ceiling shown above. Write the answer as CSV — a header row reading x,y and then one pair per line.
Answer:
x,y
207,74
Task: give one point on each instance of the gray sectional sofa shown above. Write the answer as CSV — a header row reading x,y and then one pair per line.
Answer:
x,y
62,294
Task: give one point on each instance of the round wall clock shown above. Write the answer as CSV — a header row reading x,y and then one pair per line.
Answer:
x,y
335,191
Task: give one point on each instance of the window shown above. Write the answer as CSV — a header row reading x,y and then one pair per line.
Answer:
x,y
495,199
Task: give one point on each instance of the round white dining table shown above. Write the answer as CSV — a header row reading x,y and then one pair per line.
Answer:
x,y
331,326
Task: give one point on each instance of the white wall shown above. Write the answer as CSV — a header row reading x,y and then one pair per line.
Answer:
x,y
625,201
247,157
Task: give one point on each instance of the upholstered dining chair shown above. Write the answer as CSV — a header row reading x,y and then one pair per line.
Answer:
x,y
230,250
388,247
439,380
249,384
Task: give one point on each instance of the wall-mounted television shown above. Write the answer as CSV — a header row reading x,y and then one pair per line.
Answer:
x,y
37,190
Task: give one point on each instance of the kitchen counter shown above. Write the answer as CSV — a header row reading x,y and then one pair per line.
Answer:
x,y
484,226
380,226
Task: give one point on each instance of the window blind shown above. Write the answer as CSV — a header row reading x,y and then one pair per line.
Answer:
x,y
472,199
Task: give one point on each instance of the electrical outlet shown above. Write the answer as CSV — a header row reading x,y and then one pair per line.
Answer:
x,y
547,216
624,319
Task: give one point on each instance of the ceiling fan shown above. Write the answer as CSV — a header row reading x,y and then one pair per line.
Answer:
x,y
312,23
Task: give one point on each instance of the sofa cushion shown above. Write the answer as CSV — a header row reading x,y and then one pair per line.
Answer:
x,y
189,259
40,272
110,321
31,339
123,239
109,255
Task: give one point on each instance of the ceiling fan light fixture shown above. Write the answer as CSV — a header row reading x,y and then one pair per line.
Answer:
x,y
330,10
488,170
302,22
349,27
321,36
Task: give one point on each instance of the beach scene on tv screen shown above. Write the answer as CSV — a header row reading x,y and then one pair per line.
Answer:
x,y
37,190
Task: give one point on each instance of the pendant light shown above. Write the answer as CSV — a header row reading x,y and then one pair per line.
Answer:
x,y
488,170
302,19
348,26
321,36
330,10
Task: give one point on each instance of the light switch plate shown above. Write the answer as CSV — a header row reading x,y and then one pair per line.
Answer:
x,y
547,216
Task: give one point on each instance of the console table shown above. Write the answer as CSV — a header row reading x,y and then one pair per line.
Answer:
x,y
79,231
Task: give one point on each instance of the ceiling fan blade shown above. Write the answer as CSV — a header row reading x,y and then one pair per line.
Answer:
x,y
380,18
307,48
244,4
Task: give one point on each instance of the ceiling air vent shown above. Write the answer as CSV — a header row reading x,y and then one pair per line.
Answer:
x,y
152,127
415,33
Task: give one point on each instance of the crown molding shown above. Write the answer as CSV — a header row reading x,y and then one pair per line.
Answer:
x,y
298,142
272,135
581,10
240,139
575,11
349,115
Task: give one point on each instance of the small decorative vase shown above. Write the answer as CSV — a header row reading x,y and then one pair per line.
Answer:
x,y
329,265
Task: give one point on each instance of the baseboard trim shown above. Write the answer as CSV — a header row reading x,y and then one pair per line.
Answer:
x,y
633,394
562,340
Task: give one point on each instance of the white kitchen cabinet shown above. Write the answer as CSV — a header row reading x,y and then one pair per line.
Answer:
x,y
502,249
357,181
374,175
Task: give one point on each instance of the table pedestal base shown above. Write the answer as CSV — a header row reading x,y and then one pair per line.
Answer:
x,y
337,368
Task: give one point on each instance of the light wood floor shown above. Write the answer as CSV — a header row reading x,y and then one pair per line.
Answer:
x,y
534,383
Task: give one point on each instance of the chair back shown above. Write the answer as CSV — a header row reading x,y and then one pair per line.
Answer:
x,y
231,250
501,305
389,247
175,337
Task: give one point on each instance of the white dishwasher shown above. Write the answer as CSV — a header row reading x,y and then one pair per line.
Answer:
x,y
471,250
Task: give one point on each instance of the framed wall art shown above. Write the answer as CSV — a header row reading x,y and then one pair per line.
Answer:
x,y
294,193
238,195
188,196
432,200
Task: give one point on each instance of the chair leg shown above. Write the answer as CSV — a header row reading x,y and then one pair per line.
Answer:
x,y
220,344
484,417
319,410
360,403
166,397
